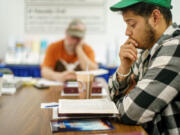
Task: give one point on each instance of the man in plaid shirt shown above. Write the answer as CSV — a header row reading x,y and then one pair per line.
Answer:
x,y
146,85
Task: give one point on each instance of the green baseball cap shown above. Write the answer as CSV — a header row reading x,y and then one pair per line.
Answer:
x,y
126,3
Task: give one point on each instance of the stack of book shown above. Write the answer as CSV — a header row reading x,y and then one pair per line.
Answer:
x,y
83,115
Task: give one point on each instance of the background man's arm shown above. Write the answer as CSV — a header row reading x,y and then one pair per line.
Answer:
x,y
85,60
50,74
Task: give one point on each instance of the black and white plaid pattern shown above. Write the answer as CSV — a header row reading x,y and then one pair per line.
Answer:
x,y
155,101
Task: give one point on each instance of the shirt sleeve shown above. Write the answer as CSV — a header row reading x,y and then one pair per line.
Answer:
x,y
90,53
49,59
117,89
158,87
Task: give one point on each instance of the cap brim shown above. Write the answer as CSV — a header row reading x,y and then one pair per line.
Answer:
x,y
123,4
78,34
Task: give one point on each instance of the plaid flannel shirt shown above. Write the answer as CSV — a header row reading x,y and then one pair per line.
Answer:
x,y
154,103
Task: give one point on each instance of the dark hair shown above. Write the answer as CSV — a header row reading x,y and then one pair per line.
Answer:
x,y
145,10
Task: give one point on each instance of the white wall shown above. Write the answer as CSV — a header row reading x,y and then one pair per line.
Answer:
x,y
11,22
12,25
176,11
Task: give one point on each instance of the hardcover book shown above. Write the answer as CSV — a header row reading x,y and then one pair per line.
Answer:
x,y
87,107
80,125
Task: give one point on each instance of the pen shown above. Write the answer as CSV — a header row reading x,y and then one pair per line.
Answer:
x,y
49,106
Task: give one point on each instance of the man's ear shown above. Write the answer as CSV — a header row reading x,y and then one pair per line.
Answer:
x,y
155,18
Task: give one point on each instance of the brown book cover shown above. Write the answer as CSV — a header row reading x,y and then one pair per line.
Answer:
x,y
72,87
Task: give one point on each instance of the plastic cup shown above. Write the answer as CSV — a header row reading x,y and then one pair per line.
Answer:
x,y
85,80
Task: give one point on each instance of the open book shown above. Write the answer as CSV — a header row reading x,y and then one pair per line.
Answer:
x,y
86,107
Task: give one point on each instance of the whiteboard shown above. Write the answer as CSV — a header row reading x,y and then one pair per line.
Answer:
x,y
53,16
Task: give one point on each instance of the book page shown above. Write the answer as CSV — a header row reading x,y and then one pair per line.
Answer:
x,y
87,106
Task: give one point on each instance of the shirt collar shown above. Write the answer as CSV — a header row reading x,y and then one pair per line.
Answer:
x,y
166,35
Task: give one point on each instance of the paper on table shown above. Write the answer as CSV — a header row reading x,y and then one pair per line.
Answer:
x,y
8,90
54,113
87,106
49,82
94,72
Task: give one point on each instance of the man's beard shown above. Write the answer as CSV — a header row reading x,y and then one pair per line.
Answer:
x,y
69,48
149,38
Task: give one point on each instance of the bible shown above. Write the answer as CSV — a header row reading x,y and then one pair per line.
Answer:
x,y
87,107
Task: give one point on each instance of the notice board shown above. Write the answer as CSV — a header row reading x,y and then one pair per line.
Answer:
x,y
53,16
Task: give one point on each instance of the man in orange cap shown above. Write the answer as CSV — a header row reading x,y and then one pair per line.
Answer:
x,y
68,55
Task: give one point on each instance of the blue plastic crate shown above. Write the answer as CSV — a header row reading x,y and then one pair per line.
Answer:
x,y
25,70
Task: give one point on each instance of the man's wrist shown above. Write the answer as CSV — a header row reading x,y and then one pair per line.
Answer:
x,y
123,70
78,48
123,73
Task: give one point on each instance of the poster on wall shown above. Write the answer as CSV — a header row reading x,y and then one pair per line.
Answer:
x,y
53,16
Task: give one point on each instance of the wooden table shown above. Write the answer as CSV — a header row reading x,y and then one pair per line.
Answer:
x,y
20,114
